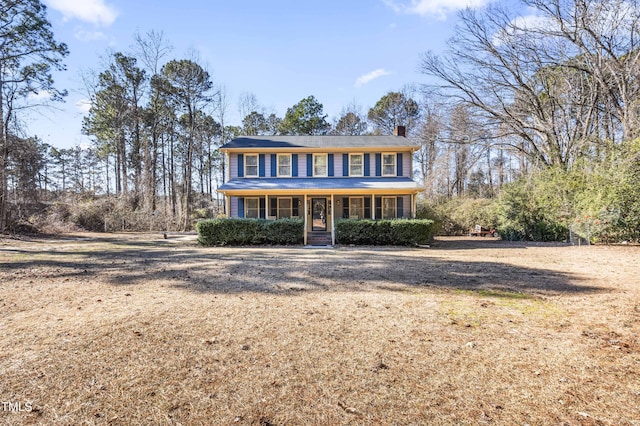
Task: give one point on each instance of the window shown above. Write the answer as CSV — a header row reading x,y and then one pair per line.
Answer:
x,y
320,164
284,208
388,164
356,165
251,165
389,207
356,208
284,165
252,208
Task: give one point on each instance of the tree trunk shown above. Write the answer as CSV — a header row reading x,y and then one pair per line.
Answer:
x,y
4,158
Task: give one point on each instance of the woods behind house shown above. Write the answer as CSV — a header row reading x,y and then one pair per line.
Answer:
x,y
527,124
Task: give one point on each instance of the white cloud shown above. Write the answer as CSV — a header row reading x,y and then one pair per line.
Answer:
x,y
83,105
528,26
533,22
92,11
366,78
436,8
83,35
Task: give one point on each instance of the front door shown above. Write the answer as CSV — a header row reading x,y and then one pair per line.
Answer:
x,y
318,214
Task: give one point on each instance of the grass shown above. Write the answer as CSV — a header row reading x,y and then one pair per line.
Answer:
x,y
137,330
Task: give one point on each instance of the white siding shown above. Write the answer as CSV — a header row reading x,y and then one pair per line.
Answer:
x,y
233,165
406,164
406,204
234,206
337,164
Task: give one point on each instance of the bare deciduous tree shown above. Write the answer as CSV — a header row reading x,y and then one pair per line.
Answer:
x,y
554,84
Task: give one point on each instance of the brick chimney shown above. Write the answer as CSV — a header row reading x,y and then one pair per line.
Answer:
x,y
400,131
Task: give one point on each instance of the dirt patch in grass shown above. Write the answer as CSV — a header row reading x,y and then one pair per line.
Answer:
x,y
138,329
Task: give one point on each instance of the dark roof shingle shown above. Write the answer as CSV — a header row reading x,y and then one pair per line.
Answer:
x,y
299,142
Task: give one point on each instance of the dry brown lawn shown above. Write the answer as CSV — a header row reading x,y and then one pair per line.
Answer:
x,y
135,329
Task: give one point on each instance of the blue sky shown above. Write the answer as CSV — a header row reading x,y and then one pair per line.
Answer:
x,y
340,51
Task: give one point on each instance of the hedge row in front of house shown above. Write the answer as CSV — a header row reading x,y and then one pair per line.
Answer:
x,y
239,232
401,232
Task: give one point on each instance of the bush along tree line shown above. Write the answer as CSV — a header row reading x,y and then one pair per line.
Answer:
x,y
530,126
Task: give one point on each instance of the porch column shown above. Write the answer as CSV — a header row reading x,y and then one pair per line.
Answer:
x,y
414,205
227,205
373,206
333,221
305,219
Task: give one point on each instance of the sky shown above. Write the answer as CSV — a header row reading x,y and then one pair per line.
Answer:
x,y
281,51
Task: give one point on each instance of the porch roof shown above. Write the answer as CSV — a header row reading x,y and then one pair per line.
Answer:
x,y
313,184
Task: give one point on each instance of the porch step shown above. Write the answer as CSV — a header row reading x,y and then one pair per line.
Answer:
x,y
319,238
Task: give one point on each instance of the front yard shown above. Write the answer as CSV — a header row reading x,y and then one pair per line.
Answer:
x,y
135,329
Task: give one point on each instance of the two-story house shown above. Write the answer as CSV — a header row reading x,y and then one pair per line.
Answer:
x,y
320,179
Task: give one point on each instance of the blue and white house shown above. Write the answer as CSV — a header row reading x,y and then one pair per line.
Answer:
x,y
320,179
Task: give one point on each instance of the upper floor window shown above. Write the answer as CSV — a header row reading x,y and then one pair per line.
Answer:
x,y
284,165
320,165
251,165
389,164
356,165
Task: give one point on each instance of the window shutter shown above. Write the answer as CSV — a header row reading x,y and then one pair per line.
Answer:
x,y
400,209
345,207
294,165
378,164
399,163
262,208
330,165
294,206
240,206
309,164
261,165
378,208
367,165
345,164
240,165
367,208
273,206
274,165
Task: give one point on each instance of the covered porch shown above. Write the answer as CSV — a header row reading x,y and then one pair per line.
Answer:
x,y
322,205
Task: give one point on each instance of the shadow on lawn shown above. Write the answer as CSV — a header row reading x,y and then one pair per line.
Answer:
x,y
288,270
475,243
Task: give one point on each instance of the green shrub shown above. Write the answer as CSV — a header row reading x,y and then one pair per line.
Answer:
x,y
609,209
534,208
283,231
234,231
385,232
